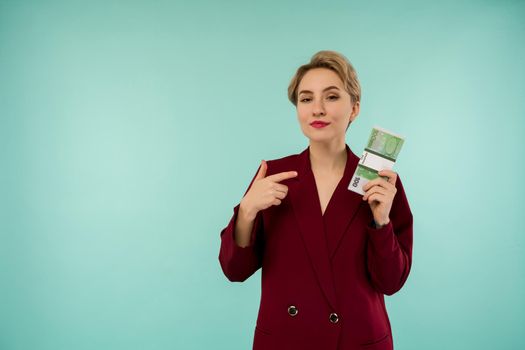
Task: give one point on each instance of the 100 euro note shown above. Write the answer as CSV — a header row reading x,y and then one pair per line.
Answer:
x,y
380,153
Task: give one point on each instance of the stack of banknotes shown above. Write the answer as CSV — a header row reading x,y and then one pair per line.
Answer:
x,y
380,153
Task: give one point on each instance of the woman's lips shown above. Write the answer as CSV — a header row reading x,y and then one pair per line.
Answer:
x,y
319,125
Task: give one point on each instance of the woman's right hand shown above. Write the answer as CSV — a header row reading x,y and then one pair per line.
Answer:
x,y
265,191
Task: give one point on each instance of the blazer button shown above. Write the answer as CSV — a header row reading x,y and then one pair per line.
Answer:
x,y
334,318
292,310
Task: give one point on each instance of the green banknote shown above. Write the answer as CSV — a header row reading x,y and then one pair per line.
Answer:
x,y
380,153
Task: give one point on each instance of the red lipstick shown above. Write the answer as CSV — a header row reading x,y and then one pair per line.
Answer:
x,y
318,124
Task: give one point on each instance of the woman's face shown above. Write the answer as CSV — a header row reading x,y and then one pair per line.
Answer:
x,y
321,97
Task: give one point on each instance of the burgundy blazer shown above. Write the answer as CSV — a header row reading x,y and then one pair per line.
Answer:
x,y
323,277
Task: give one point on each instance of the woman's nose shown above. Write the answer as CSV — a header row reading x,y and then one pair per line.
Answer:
x,y
318,108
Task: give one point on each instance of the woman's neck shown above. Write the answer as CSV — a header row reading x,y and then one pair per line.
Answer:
x,y
328,157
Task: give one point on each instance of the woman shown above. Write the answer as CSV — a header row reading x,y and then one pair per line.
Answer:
x,y
328,255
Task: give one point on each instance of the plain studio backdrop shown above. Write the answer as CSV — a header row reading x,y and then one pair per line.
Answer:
x,y
130,130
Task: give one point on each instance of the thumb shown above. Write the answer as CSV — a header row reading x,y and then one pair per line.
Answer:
x,y
261,174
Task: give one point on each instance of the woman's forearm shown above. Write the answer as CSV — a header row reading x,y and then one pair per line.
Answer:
x,y
243,227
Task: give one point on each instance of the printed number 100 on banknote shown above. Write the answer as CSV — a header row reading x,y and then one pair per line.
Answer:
x,y
380,153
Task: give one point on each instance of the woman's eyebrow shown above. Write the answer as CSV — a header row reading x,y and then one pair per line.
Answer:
x,y
328,88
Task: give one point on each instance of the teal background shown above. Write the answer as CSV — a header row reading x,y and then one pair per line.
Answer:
x,y
130,130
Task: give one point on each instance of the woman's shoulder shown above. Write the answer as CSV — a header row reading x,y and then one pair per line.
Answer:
x,y
284,160
285,163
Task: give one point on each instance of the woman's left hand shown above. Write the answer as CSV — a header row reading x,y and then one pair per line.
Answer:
x,y
380,194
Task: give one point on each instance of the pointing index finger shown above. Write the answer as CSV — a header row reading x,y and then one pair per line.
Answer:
x,y
282,176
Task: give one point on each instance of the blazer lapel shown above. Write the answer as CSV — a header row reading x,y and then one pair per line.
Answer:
x,y
341,210
343,206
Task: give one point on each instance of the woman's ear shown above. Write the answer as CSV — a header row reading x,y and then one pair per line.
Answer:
x,y
355,111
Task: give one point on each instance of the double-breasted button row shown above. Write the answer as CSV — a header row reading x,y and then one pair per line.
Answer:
x,y
292,311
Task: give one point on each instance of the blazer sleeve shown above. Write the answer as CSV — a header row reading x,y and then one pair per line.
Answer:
x,y
239,263
389,249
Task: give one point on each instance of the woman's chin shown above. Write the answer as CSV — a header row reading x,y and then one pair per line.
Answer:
x,y
319,137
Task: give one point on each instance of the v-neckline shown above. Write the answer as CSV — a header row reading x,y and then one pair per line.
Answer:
x,y
336,190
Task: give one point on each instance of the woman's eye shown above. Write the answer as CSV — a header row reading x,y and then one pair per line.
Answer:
x,y
331,97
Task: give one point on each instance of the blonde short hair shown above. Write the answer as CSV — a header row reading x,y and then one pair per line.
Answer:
x,y
337,63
